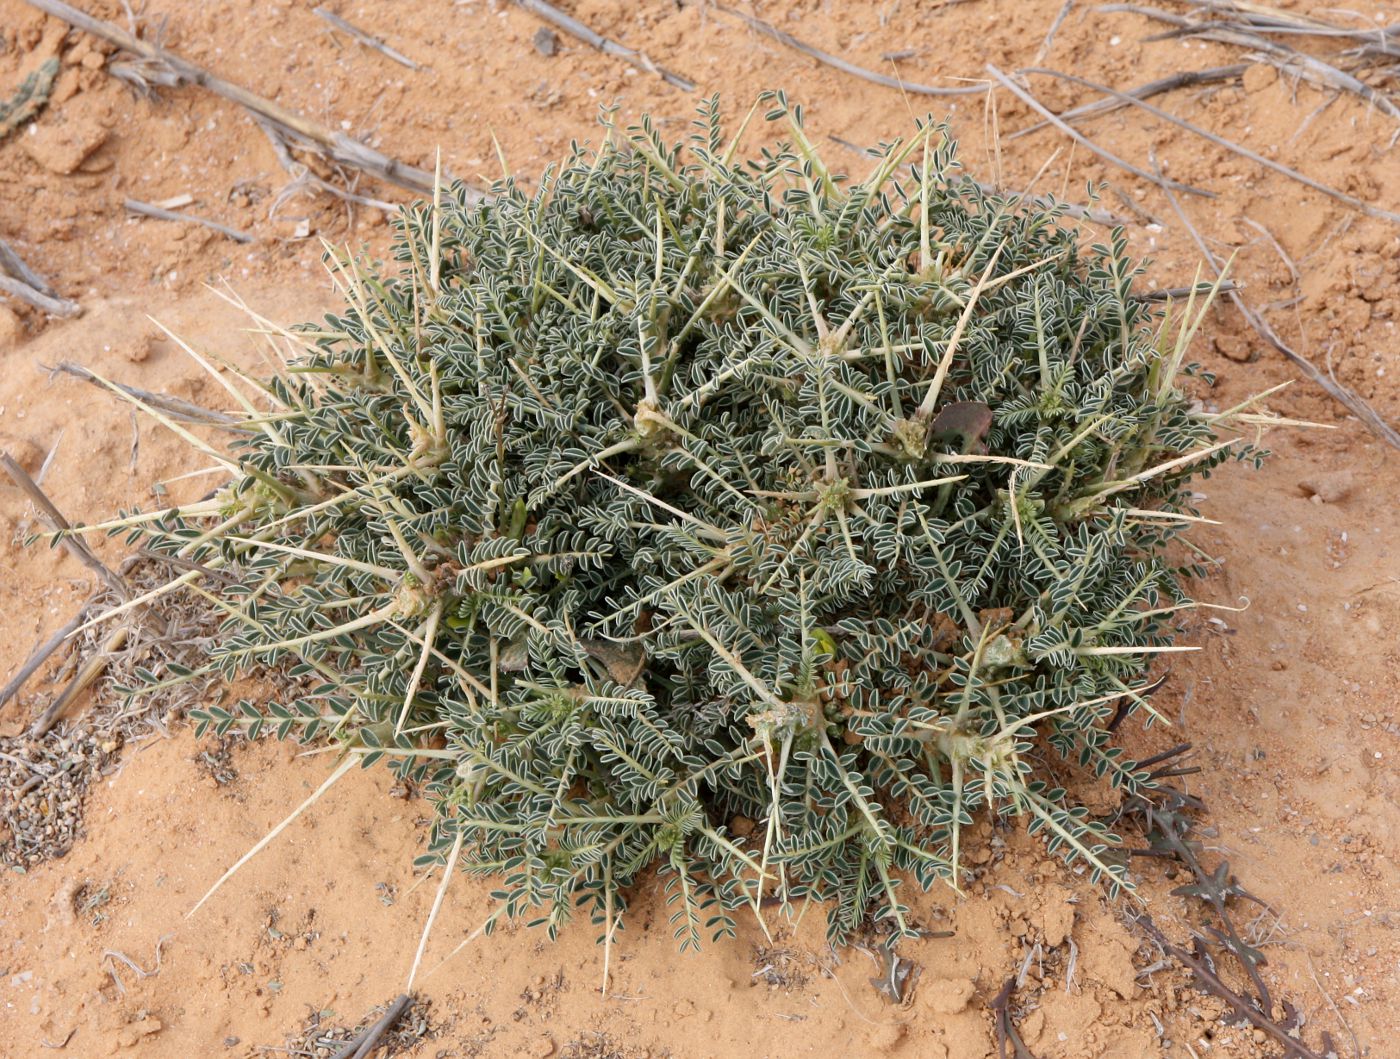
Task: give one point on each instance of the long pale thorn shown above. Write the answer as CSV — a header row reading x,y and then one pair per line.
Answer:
x,y
345,766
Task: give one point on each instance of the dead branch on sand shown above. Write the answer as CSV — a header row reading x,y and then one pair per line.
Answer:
x,y
369,40
574,28
1078,137
1220,141
1344,395
160,213
1243,33
174,407
335,146
20,281
836,62
1184,79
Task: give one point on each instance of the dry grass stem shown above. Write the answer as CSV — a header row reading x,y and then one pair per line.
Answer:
x,y
1078,137
160,213
838,63
339,147
577,29
1346,396
367,39
1220,141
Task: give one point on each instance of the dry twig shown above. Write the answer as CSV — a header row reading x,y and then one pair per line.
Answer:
x,y
174,407
1281,55
1184,79
337,146
770,30
1271,19
365,1043
61,526
1207,977
1049,40
1025,97
303,177
367,39
41,655
1201,290
1220,141
1007,1034
574,28
1164,812
160,213
24,292
20,281
1349,398
15,265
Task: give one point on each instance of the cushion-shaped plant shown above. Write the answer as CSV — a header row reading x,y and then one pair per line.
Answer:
x,y
732,518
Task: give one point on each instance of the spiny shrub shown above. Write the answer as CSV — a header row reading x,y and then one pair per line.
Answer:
x,y
733,519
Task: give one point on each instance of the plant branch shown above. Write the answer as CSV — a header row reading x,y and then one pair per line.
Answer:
x,y
1344,395
1078,137
575,28
340,148
160,213
835,61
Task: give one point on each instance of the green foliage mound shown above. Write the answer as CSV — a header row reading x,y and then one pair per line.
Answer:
x,y
730,518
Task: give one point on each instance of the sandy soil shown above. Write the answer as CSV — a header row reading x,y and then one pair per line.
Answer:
x,y
1292,703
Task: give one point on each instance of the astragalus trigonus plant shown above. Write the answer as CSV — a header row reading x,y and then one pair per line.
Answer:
x,y
726,517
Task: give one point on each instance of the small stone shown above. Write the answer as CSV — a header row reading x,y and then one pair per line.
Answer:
x,y
683,1009
61,148
543,1047
546,41
742,826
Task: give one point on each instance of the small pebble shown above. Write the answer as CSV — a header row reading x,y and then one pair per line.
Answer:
x,y
546,41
